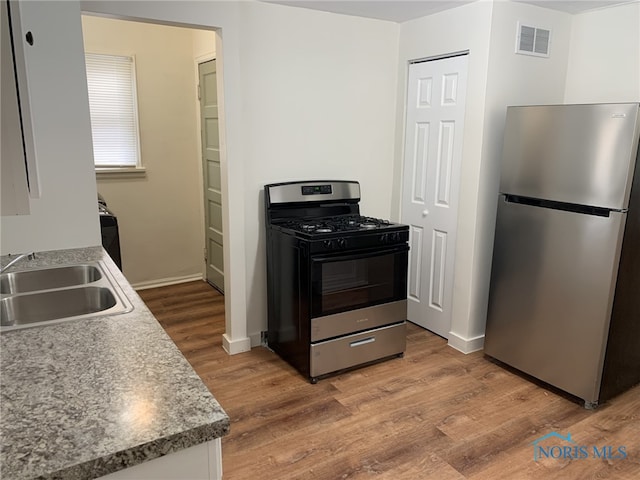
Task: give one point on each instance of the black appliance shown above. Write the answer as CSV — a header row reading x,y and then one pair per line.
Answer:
x,y
109,231
336,280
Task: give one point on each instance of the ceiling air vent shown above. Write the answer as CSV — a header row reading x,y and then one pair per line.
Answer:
x,y
533,40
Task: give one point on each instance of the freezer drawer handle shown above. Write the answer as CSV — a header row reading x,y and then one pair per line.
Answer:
x,y
364,341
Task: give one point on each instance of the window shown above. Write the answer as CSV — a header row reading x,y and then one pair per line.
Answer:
x,y
114,111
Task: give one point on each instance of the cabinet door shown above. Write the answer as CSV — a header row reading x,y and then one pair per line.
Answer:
x,y
202,461
15,194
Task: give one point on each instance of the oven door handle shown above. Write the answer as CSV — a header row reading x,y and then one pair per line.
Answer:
x,y
357,256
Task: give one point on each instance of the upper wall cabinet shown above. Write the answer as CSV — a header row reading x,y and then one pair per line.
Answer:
x,y
19,171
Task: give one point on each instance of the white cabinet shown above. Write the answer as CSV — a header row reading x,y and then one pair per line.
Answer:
x,y
19,171
200,462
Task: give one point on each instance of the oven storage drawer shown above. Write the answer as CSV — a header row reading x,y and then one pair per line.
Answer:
x,y
352,350
355,320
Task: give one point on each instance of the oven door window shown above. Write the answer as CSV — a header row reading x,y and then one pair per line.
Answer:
x,y
347,282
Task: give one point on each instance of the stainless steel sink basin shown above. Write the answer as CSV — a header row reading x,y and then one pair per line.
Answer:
x,y
48,278
31,298
54,304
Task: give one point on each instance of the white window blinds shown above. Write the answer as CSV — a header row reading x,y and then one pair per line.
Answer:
x,y
114,111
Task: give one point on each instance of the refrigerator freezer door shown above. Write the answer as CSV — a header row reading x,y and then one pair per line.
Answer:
x,y
551,294
581,154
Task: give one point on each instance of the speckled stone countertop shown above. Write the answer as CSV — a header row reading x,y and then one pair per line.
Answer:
x,y
88,397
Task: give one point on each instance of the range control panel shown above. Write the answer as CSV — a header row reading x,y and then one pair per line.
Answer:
x,y
316,190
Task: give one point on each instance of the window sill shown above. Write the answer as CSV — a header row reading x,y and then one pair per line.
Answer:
x,y
121,172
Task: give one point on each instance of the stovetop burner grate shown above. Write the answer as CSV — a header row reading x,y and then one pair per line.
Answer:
x,y
343,223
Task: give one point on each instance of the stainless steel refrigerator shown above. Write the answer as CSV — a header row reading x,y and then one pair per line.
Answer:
x,y
564,302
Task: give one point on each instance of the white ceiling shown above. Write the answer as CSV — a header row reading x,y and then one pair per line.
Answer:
x,y
403,10
576,6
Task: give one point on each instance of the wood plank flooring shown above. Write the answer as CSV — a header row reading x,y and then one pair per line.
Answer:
x,y
434,414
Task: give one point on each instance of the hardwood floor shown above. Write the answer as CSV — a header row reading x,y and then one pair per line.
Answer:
x,y
434,414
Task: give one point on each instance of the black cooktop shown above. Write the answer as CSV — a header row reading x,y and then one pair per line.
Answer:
x,y
341,224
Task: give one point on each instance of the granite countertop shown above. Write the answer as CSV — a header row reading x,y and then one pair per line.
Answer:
x,y
88,397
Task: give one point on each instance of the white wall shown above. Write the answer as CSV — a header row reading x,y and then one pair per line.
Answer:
x,y
604,61
160,215
204,43
66,215
306,95
324,86
579,69
319,102
497,77
513,79
463,28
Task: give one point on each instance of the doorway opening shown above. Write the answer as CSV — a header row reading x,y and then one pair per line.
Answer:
x,y
164,213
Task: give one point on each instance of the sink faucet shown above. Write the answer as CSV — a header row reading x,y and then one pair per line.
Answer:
x,y
28,256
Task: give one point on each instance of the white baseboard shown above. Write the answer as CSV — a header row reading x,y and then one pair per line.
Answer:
x,y
163,282
255,339
235,346
466,345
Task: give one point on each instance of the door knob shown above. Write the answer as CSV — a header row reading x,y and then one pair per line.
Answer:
x,y
425,213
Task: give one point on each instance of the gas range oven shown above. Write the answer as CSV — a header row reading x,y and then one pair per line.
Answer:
x,y
336,280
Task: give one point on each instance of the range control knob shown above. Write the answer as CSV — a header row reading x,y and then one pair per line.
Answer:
x,y
342,243
394,237
384,238
328,244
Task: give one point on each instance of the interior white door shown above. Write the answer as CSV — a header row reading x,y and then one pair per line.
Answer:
x,y
211,174
431,181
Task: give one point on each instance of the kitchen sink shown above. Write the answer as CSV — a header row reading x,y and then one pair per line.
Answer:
x,y
48,278
31,298
54,304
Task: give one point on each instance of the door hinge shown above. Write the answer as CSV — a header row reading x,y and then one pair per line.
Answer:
x,y
198,91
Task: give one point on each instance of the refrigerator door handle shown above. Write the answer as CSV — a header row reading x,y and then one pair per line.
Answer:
x,y
567,207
